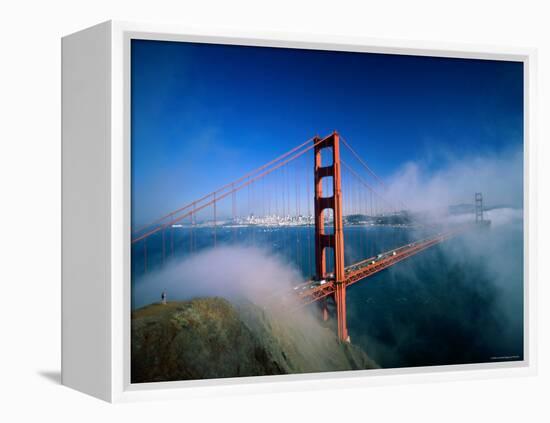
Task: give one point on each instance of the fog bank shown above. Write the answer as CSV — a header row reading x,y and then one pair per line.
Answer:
x,y
232,272
498,176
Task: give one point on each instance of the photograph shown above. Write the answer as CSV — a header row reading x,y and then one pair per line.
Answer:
x,y
300,211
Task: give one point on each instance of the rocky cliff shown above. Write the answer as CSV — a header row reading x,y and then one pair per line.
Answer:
x,y
212,338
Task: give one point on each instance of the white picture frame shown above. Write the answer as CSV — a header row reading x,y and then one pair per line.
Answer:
x,y
96,190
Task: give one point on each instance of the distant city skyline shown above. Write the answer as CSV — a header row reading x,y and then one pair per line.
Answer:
x,y
203,115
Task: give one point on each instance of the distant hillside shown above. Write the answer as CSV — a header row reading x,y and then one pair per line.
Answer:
x,y
211,338
399,218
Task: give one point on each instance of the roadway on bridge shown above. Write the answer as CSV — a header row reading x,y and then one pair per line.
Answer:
x,y
311,291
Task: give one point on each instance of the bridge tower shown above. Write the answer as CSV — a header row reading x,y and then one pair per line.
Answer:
x,y
479,207
334,240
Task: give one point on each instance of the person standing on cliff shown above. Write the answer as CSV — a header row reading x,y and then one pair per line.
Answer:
x,y
163,297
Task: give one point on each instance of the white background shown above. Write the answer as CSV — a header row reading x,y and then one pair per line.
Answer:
x,y
30,207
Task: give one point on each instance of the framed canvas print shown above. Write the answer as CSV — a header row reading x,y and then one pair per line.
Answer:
x,y
264,212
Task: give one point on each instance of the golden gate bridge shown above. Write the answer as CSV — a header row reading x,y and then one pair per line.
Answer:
x,y
282,194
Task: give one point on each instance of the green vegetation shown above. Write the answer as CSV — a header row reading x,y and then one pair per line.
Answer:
x,y
398,218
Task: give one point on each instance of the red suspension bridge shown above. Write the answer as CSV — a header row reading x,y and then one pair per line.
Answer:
x,y
259,207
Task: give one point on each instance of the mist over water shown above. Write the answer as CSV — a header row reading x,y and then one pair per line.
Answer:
x,y
236,273
459,302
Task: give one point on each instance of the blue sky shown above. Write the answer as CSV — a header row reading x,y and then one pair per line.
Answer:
x,y
203,115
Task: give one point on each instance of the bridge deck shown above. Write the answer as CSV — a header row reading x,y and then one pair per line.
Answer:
x,y
311,291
